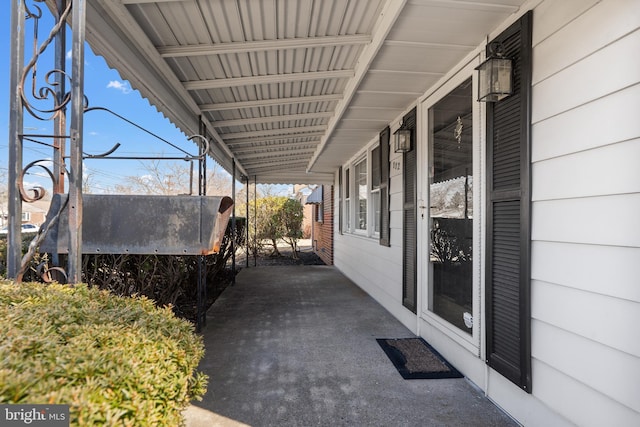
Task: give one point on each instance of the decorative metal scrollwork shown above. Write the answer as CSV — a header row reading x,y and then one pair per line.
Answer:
x,y
48,92
45,98
107,155
38,191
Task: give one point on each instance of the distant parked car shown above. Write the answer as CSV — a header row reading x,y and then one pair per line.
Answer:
x,y
25,228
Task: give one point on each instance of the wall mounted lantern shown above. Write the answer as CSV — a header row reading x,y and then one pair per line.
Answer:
x,y
495,80
402,140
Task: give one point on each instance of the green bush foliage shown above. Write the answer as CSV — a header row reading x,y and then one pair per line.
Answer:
x,y
277,218
117,361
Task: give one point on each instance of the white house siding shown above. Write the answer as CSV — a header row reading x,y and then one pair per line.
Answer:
x,y
378,269
585,210
585,251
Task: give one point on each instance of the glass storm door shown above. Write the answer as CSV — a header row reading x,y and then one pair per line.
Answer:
x,y
451,207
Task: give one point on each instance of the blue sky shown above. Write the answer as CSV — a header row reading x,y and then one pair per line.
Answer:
x,y
104,88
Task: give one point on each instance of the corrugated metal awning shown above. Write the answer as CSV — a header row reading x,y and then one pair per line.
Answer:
x,y
315,197
288,89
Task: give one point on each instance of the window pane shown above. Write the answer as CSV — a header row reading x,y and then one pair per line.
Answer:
x,y
347,211
375,201
375,168
451,208
347,187
347,201
360,172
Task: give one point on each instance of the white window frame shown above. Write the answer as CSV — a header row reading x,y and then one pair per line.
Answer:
x,y
346,182
357,195
352,195
374,195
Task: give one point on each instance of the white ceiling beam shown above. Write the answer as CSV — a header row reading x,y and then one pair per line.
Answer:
x,y
388,16
281,148
288,146
269,102
261,154
262,45
310,136
275,78
151,1
271,119
275,167
299,178
280,145
275,156
299,131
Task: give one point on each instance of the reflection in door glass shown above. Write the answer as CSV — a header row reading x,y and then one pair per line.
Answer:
x,y
451,206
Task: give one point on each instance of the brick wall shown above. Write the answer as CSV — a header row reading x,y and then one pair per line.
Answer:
x,y
323,231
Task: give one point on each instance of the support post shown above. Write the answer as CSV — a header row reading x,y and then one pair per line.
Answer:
x,y
246,225
60,120
255,218
233,224
77,111
201,310
16,112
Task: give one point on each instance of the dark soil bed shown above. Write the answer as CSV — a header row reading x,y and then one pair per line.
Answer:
x,y
187,308
305,257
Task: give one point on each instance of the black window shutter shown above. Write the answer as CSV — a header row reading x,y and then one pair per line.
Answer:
x,y
340,200
508,302
385,231
409,227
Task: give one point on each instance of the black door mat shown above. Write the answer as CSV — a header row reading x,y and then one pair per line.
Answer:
x,y
414,359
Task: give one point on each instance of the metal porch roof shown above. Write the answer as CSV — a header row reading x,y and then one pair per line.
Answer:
x,y
315,197
289,88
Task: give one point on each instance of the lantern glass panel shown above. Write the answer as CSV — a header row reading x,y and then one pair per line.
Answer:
x,y
402,142
495,81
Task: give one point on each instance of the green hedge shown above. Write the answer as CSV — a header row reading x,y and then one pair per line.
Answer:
x,y
117,361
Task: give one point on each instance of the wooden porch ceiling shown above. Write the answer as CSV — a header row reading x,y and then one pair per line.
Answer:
x,y
288,88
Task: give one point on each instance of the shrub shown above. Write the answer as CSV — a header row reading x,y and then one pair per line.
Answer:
x,y
166,279
276,218
117,361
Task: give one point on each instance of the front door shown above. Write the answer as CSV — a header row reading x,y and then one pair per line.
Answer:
x,y
451,200
451,210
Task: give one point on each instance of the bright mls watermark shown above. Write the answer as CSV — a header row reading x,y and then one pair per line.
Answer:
x,y
34,415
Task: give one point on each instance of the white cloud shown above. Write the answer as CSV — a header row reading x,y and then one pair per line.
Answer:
x,y
121,86
69,54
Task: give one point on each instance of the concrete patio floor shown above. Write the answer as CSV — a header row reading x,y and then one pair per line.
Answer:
x,y
296,346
